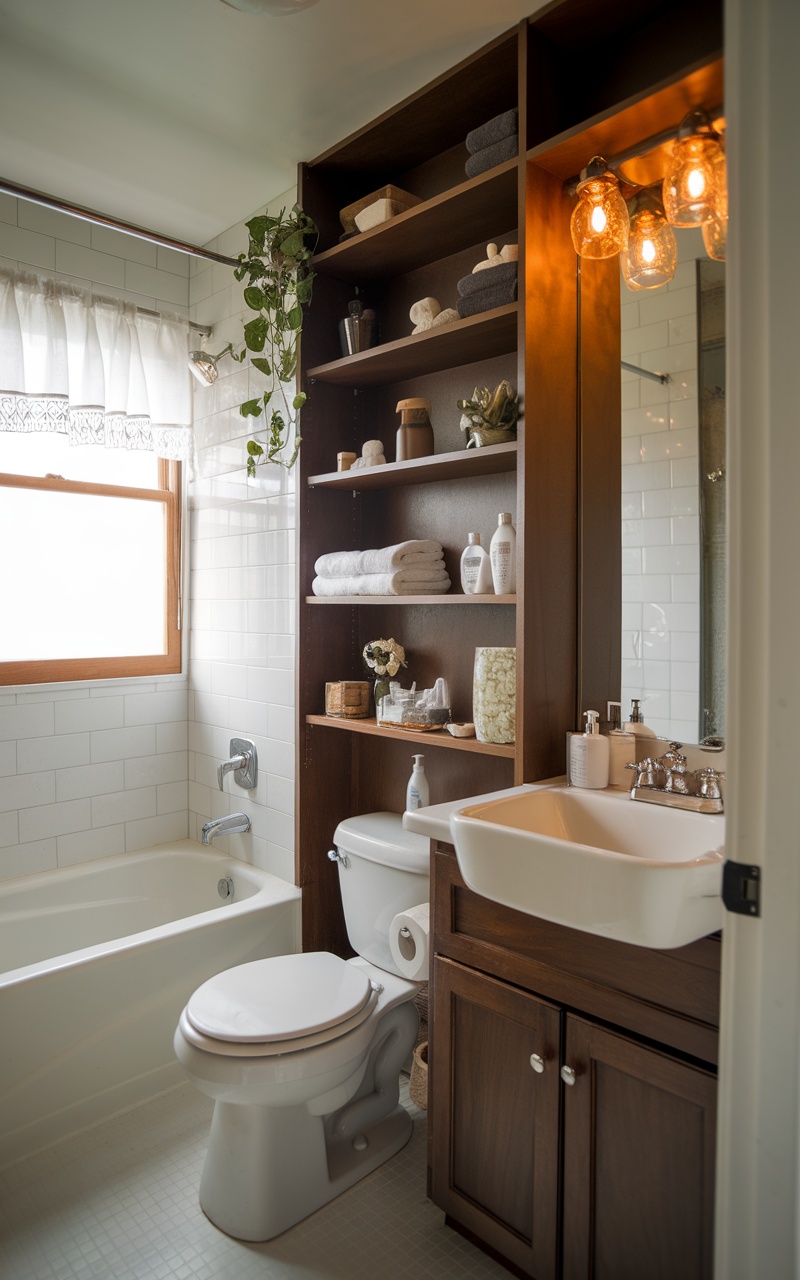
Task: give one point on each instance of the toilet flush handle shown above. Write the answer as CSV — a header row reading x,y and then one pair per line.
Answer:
x,y
336,856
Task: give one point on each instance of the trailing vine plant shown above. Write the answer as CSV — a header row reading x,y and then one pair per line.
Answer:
x,y
279,287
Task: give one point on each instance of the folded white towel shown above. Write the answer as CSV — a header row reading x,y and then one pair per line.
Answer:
x,y
405,582
346,564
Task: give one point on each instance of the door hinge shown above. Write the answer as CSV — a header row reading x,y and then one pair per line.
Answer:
x,y
741,888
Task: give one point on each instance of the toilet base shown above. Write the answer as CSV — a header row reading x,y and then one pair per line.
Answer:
x,y
268,1167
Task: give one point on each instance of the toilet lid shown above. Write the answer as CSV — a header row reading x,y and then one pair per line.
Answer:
x,y
280,998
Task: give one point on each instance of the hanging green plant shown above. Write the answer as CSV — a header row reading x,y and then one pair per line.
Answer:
x,y
279,287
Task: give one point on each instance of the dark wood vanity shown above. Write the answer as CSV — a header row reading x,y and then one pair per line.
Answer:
x,y
572,1092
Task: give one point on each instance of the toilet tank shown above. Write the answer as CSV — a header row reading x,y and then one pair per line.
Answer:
x,y
387,870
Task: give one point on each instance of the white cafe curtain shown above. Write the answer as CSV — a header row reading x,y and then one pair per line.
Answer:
x,y
95,369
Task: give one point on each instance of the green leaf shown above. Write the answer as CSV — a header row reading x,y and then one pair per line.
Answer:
x,y
299,400
295,318
262,365
254,298
255,334
292,245
250,409
254,448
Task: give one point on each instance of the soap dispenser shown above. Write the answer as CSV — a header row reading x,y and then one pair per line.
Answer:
x,y
418,792
587,756
621,748
639,729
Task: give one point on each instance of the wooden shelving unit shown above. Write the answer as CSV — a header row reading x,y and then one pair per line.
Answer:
x,y
435,738
491,460
456,598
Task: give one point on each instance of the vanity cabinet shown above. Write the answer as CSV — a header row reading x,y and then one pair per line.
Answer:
x,y
572,1093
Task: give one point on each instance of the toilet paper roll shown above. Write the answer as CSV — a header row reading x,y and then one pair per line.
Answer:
x,y
408,941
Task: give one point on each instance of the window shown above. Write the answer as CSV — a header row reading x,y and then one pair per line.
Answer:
x,y
90,573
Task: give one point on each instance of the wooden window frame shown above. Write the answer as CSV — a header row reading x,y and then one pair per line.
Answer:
x,y
60,670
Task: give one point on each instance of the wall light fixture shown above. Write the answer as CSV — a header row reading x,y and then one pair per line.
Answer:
x,y
204,366
695,183
599,222
652,252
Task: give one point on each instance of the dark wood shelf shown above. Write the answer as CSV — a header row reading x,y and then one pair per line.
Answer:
x,y
481,337
488,461
436,738
456,598
432,230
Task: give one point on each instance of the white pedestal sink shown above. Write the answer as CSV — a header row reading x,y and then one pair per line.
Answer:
x,y
596,861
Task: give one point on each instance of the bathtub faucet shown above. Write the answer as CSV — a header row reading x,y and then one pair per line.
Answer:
x,y
243,764
225,826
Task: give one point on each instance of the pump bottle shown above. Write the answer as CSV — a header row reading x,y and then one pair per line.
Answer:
x,y
587,756
418,792
639,729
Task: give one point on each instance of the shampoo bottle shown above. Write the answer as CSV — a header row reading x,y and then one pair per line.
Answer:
x,y
587,756
503,556
418,792
476,573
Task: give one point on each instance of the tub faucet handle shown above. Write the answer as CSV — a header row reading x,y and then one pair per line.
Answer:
x,y
243,763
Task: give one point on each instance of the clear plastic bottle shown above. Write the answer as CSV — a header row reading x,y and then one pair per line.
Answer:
x,y
503,556
418,792
476,571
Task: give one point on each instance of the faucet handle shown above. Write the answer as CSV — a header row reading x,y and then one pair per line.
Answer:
x,y
708,781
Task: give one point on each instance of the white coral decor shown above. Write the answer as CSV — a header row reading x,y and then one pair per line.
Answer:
x,y
494,695
384,657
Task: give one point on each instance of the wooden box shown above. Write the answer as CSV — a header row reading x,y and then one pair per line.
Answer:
x,y
347,699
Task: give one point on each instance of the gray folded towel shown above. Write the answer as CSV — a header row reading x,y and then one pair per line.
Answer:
x,y
487,278
486,135
491,156
497,295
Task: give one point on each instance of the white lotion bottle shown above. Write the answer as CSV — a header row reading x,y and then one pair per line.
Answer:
x,y
588,756
476,571
418,792
503,556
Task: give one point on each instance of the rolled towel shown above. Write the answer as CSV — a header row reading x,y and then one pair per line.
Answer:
x,y
487,278
486,299
346,564
491,156
401,583
495,130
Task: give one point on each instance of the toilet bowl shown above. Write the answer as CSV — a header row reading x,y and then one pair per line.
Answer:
x,y
302,1053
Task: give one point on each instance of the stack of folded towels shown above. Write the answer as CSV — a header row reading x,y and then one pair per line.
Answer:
x,y
413,568
492,287
492,143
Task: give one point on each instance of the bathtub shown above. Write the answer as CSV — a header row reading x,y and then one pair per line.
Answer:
x,y
96,963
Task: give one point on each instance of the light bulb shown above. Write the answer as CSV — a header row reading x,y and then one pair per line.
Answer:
x,y
696,177
652,251
599,222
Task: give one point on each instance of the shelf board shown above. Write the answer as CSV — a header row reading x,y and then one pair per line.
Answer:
x,y
492,333
456,598
432,230
488,461
438,738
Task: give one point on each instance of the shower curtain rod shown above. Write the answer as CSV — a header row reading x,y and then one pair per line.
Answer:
x,y
102,220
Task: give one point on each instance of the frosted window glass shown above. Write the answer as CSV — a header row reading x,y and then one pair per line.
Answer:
x,y
36,453
81,576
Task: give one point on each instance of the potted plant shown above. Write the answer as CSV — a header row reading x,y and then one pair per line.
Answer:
x,y
279,286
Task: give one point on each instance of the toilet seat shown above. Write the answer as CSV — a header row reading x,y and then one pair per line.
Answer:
x,y
282,1004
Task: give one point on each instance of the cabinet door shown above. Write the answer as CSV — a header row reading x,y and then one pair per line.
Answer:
x,y
639,1129
495,1117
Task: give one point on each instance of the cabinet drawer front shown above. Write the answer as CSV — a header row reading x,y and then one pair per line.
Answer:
x,y
495,1095
639,1132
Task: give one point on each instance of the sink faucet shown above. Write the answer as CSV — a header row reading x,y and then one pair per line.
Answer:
x,y
667,781
225,826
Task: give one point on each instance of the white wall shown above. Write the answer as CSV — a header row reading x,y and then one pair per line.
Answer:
x,y
101,767
242,591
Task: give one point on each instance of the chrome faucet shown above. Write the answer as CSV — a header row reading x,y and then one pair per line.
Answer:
x,y
225,826
667,781
243,763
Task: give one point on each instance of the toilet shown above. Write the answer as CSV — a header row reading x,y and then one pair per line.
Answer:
x,y
302,1053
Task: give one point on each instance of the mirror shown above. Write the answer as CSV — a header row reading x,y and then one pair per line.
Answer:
x,y
673,498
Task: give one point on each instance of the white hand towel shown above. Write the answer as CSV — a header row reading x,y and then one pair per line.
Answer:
x,y
346,564
402,583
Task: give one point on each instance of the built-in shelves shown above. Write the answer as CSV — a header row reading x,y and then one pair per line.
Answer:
x,y
492,333
436,738
431,230
425,599
491,460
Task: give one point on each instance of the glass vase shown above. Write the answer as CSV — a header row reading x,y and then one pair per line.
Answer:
x,y
494,695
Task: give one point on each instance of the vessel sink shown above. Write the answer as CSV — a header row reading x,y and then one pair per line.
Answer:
x,y
597,861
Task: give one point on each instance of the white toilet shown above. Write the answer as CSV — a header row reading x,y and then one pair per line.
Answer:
x,y
302,1053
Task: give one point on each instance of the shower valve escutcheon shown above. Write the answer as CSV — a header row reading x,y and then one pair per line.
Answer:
x,y
243,763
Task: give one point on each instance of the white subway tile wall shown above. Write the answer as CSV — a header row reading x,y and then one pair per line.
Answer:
x,y
660,513
242,593
97,769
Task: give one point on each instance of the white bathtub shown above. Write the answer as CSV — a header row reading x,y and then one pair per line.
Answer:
x,y
96,963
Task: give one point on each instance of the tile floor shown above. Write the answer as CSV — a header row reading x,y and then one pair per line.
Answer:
x,y
120,1200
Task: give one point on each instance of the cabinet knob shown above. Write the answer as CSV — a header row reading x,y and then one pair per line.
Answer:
x,y
568,1075
537,1062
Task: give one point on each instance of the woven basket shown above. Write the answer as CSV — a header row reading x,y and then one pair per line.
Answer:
x,y
347,699
418,1083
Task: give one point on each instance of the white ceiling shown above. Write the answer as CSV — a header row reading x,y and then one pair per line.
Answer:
x,y
185,116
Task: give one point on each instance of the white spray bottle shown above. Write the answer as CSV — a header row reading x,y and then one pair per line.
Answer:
x,y
418,792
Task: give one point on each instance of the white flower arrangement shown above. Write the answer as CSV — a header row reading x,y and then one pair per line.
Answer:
x,y
384,657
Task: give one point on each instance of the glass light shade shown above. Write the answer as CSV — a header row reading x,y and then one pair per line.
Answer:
x,y
695,181
652,253
599,222
715,237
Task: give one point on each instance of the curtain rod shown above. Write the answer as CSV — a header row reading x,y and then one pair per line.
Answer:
x,y
102,220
